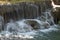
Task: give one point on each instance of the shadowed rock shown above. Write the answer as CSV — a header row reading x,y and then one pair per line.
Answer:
x,y
33,23
37,24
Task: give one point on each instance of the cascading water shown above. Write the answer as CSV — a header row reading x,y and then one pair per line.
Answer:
x,y
27,29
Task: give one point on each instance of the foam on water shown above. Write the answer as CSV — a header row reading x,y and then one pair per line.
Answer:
x,y
24,34
23,30
18,30
49,30
28,35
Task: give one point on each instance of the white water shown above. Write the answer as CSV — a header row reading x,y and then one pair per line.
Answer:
x,y
23,30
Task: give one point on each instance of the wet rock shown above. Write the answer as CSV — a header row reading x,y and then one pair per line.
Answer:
x,y
37,24
34,24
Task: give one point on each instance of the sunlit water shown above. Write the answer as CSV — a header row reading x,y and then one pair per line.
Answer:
x,y
19,30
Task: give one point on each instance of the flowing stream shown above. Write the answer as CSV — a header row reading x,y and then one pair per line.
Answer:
x,y
40,28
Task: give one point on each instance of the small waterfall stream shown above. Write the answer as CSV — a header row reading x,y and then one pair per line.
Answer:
x,y
26,29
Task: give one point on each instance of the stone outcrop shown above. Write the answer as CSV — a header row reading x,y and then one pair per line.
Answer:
x,y
37,24
33,23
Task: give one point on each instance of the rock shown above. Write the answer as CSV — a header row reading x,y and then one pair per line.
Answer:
x,y
37,24
33,23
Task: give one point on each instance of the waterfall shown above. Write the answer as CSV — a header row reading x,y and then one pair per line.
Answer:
x,y
26,28
28,24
